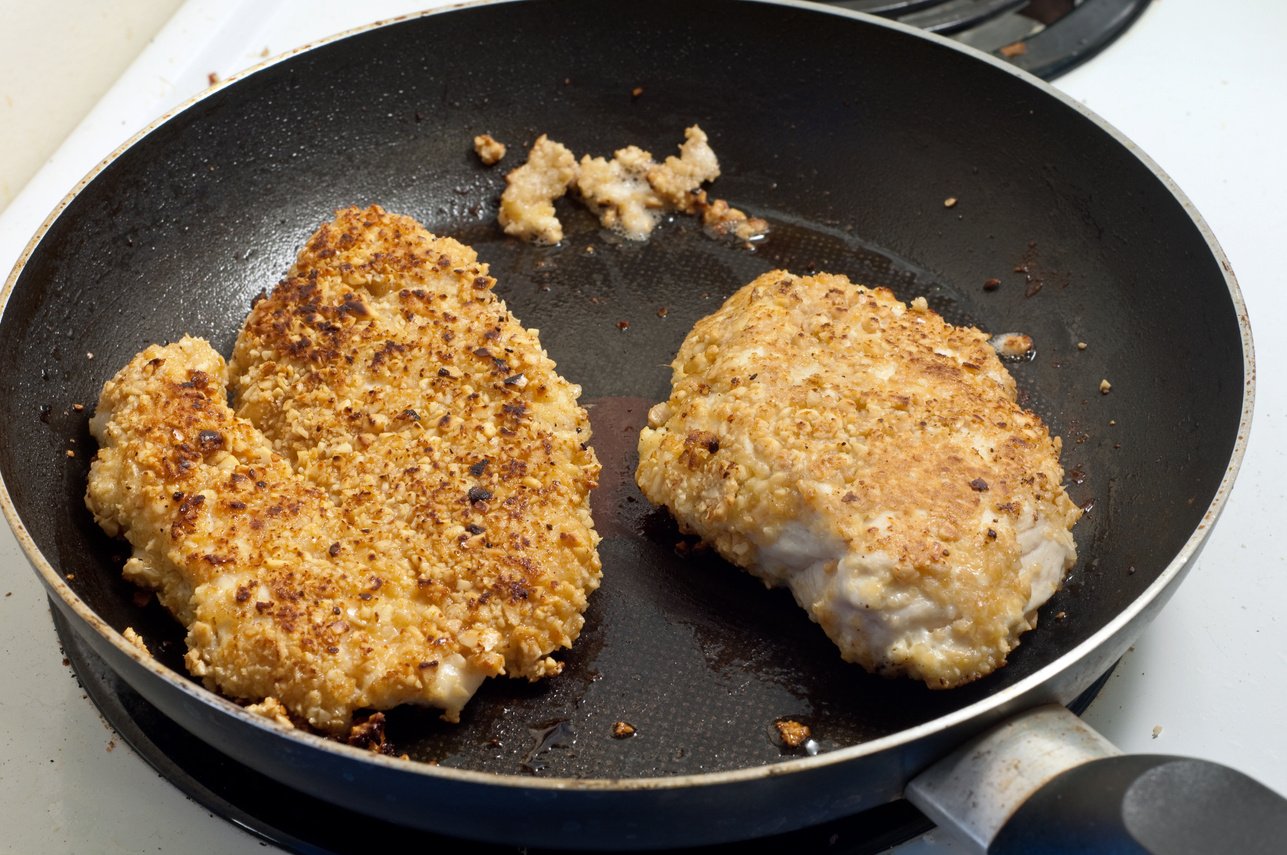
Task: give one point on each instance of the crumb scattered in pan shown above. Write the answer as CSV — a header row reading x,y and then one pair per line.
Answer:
x,y
721,220
89,355
527,204
689,548
793,733
662,311
1061,616
78,408
622,730
620,193
1012,345
677,180
489,150
629,193
137,640
1014,49
272,709
1105,387
623,325
212,78
991,284
1112,422
1081,345
949,202
1157,731
70,453
369,734
636,92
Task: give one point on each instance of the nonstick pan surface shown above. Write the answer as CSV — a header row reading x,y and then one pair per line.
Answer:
x,y
848,135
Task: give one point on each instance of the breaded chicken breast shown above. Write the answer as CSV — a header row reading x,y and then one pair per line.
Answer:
x,y
397,508
873,459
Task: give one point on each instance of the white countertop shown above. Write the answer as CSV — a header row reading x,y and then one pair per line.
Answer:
x,y
56,61
1203,91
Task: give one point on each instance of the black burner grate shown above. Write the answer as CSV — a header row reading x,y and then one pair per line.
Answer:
x,y
1044,37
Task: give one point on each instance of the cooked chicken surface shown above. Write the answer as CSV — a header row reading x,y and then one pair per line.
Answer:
x,y
396,509
873,459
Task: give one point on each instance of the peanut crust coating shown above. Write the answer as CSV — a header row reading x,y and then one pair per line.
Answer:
x,y
873,459
398,505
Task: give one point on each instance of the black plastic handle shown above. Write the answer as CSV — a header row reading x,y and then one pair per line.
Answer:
x,y
1148,803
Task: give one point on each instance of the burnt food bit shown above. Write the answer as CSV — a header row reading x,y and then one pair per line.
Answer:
x,y
792,733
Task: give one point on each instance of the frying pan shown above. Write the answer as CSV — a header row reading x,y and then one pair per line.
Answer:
x,y
848,134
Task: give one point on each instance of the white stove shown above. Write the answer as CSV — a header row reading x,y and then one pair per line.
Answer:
x,y
1201,89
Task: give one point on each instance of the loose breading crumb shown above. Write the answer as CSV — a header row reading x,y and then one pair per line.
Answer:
x,y
629,193
273,710
1012,345
137,640
618,192
527,203
622,730
721,219
1105,387
677,179
489,150
793,733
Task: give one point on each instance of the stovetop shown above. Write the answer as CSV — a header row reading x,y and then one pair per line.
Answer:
x,y
1201,93
1047,38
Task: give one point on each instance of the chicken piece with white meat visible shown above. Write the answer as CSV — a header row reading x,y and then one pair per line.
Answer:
x,y
873,459
397,509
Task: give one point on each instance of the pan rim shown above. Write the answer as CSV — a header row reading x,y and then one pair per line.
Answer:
x,y
1002,700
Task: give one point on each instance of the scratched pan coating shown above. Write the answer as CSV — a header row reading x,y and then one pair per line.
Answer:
x,y
847,135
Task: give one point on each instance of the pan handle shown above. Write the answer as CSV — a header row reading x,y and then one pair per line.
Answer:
x,y
1044,781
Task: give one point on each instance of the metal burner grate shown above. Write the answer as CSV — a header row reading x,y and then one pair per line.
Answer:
x,y
1044,37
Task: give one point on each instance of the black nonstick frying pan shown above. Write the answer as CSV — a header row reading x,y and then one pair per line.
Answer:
x,y
848,135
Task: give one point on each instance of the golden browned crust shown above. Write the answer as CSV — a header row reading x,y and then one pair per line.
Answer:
x,y
872,457
397,509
